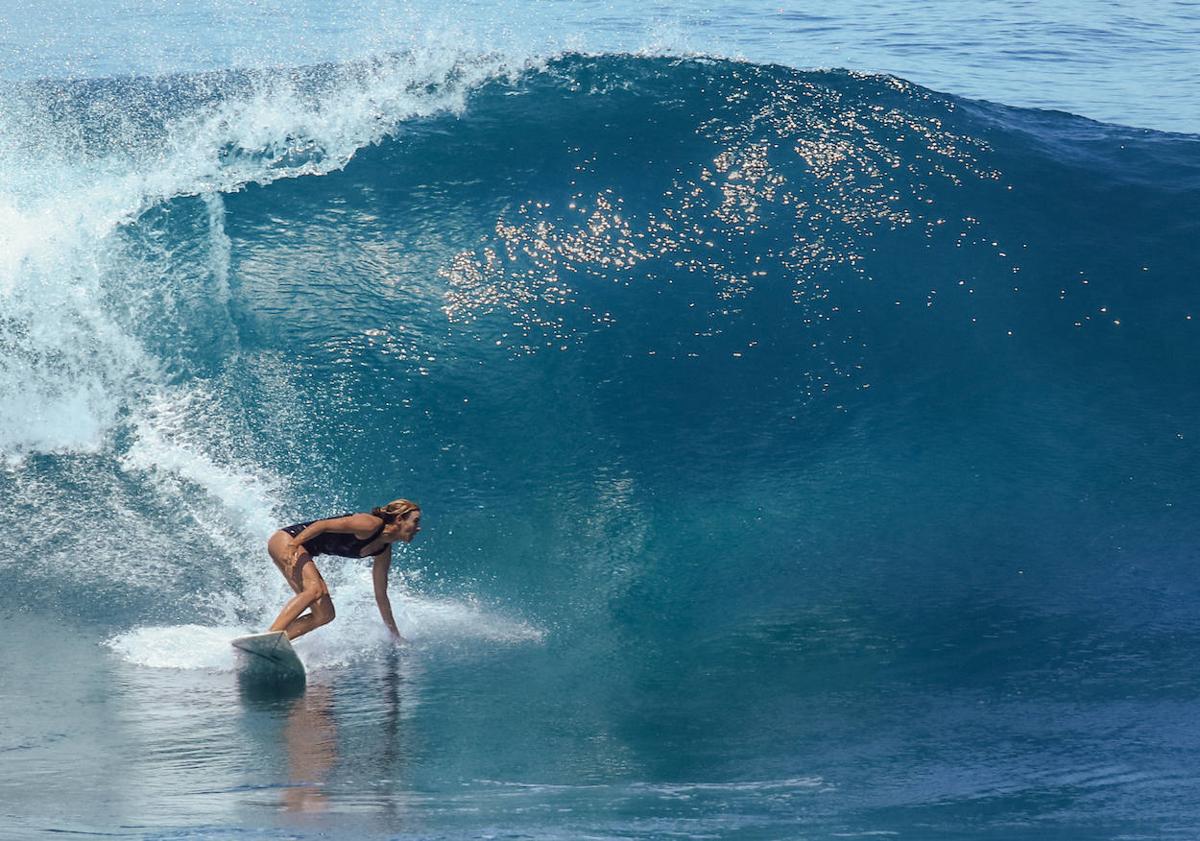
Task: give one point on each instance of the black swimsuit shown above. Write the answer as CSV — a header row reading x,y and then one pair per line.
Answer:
x,y
334,543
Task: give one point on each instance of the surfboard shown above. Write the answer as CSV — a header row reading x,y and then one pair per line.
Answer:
x,y
268,657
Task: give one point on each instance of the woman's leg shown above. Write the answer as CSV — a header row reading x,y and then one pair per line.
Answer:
x,y
311,592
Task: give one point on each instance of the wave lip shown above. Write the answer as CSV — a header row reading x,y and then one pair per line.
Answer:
x,y
83,160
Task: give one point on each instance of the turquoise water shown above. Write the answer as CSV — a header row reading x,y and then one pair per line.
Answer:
x,y
803,453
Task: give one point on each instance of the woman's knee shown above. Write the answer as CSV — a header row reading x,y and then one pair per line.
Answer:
x,y
323,611
315,592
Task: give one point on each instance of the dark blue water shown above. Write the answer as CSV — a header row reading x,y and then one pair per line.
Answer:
x,y
802,455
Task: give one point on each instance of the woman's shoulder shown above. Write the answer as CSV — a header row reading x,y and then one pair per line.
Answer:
x,y
363,521
355,521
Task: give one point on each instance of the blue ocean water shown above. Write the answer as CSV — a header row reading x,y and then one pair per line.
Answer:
x,y
803,453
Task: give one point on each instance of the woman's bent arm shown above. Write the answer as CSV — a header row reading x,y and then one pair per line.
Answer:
x,y
341,525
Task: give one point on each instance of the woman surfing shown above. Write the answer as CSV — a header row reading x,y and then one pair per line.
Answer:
x,y
293,548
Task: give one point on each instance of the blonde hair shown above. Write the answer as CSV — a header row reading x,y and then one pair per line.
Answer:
x,y
395,509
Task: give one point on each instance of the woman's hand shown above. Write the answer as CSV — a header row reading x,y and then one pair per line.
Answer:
x,y
294,550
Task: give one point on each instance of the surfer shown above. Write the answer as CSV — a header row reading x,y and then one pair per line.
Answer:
x,y
293,548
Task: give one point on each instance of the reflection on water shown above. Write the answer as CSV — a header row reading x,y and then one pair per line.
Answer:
x,y
340,743
393,757
303,724
310,735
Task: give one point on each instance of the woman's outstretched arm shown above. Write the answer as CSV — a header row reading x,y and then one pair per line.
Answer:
x,y
379,574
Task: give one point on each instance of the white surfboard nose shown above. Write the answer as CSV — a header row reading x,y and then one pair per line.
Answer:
x,y
268,657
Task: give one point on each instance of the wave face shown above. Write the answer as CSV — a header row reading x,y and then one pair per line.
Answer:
x,y
733,383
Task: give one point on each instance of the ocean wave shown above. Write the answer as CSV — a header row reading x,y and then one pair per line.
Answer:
x,y
230,299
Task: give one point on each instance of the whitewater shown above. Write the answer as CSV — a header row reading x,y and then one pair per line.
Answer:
x,y
806,441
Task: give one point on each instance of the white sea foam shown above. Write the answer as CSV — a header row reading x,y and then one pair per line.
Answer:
x,y
72,364
178,646
182,446
357,633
